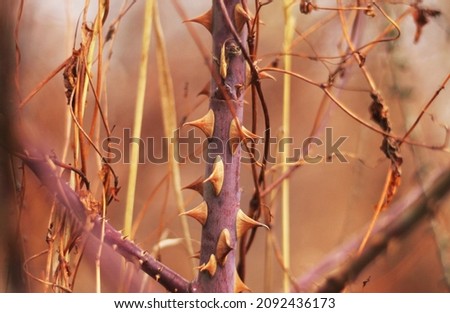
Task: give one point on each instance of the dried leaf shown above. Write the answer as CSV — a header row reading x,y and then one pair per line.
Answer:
x,y
306,6
421,18
389,146
379,112
380,115
394,183
70,75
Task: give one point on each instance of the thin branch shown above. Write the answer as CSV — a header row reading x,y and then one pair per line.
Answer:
x,y
425,109
43,82
256,81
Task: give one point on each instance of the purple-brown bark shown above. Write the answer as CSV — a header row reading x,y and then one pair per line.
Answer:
x,y
219,234
70,200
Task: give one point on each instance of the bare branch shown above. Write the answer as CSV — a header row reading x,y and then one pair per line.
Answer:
x,y
68,199
397,222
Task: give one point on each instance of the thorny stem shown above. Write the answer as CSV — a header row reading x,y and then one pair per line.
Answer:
x,y
69,200
217,86
171,280
401,220
255,203
217,272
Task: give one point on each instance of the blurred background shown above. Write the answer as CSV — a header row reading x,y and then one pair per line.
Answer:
x,y
330,201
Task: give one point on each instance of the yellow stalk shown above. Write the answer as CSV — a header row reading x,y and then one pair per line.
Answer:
x,y
89,41
68,123
98,30
170,123
98,278
289,28
139,110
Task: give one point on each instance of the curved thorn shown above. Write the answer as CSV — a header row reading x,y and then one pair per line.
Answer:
x,y
223,246
244,223
196,255
217,174
236,135
239,285
204,19
205,123
241,17
264,75
200,212
211,266
197,185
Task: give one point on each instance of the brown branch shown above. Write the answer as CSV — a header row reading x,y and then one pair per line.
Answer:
x,y
436,93
69,199
43,82
398,222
